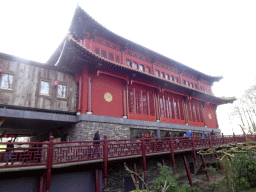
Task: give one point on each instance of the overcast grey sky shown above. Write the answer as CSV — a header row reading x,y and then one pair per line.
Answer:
x,y
215,37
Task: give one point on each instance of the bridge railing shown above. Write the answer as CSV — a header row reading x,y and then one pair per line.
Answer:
x,y
19,154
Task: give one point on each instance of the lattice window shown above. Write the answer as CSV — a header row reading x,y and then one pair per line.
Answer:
x,y
145,103
148,70
135,65
141,102
138,102
104,54
128,62
157,73
131,100
7,81
111,56
167,77
141,68
161,107
176,79
97,51
117,59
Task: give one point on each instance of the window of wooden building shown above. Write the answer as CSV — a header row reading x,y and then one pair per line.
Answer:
x,y
157,73
62,89
6,81
44,88
141,103
148,70
111,56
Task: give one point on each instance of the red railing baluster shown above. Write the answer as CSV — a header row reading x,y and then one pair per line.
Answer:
x,y
49,164
105,160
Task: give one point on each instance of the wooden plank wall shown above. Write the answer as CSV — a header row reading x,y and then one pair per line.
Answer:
x,y
26,87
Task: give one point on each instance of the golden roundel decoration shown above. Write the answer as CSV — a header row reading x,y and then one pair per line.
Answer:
x,y
210,116
108,97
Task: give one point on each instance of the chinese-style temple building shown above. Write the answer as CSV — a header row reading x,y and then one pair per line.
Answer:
x,y
97,80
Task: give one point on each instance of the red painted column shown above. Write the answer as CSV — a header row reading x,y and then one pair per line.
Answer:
x,y
172,152
105,160
91,44
188,172
125,101
194,147
204,164
49,164
143,150
97,184
90,95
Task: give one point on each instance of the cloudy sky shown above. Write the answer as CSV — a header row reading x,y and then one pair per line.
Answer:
x,y
215,37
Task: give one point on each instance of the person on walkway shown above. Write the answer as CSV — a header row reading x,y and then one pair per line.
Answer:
x,y
203,135
96,144
189,134
8,153
212,134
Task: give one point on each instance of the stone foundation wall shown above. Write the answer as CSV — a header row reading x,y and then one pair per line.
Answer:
x,y
85,130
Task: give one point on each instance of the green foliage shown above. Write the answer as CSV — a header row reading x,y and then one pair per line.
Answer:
x,y
243,169
172,184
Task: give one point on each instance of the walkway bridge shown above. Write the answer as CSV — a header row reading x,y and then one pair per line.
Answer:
x,y
48,155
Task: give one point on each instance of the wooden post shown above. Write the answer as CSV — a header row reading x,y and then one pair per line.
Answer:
x,y
223,139
41,184
188,172
163,161
97,184
105,160
219,164
135,171
194,147
210,142
204,164
49,164
172,152
143,150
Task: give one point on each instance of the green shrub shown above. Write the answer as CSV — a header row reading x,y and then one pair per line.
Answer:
x,y
166,175
243,168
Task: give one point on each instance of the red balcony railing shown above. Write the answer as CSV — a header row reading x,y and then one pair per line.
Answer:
x,y
48,154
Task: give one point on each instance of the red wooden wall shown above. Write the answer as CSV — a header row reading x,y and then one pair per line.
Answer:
x,y
190,112
107,84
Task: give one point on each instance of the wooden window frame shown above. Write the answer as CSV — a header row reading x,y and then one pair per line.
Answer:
x,y
40,87
66,94
1,78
